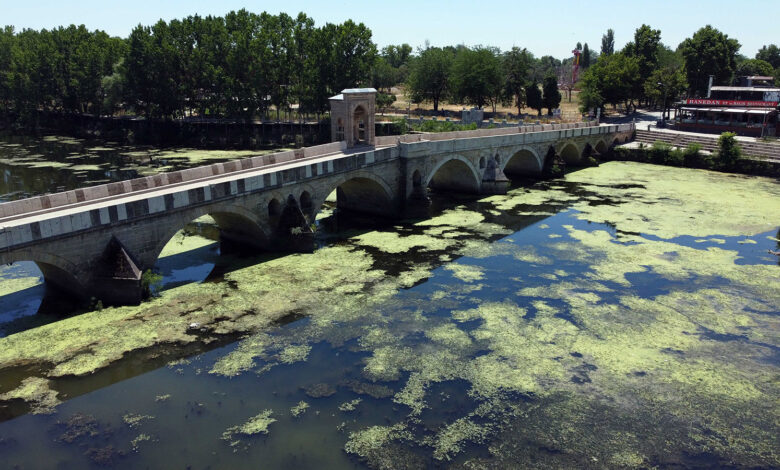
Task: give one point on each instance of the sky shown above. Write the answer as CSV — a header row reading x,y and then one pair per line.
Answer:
x,y
544,27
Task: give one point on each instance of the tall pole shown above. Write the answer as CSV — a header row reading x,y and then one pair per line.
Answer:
x,y
663,110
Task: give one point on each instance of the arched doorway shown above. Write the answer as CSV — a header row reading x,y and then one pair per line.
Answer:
x,y
359,122
339,130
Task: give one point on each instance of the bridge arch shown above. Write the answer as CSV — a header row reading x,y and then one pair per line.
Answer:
x,y
601,147
524,161
236,224
455,173
361,191
570,153
56,271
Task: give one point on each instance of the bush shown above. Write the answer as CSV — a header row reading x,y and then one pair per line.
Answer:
x,y
676,157
728,151
443,126
694,158
659,152
151,283
400,126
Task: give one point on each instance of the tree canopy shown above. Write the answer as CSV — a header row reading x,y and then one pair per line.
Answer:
x,y
517,65
552,97
429,76
611,80
238,65
771,54
749,67
608,43
709,52
476,76
533,96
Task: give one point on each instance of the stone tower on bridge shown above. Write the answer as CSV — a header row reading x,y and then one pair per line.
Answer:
x,y
352,116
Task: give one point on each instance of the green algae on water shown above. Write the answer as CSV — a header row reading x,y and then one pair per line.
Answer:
x,y
256,425
350,405
10,286
299,409
464,272
135,420
36,392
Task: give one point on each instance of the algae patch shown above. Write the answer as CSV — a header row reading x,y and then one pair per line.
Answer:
x,y
36,392
256,425
464,272
299,409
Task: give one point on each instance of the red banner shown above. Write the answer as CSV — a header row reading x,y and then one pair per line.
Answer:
x,y
738,103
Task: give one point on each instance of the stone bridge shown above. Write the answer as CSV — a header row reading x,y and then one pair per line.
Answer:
x,y
97,241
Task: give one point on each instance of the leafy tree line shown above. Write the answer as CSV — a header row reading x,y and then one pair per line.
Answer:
x,y
246,65
239,65
58,69
483,76
646,71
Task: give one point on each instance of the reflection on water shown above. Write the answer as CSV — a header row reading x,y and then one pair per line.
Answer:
x,y
31,166
595,322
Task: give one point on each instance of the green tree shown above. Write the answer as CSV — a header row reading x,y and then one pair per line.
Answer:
x,y
397,55
552,97
383,75
517,64
749,67
612,79
113,88
728,152
666,84
771,54
589,97
608,43
429,76
353,55
585,59
533,97
644,48
476,76
546,65
384,101
7,40
709,52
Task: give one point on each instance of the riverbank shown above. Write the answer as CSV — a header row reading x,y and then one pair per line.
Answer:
x,y
691,157
200,133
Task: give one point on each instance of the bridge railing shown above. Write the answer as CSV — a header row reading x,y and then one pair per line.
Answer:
x,y
434,136
93,193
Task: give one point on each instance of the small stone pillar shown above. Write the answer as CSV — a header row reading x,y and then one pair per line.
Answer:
x,y
352,117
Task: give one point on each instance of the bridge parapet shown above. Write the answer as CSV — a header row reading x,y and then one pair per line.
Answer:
x,y
96,193
256,200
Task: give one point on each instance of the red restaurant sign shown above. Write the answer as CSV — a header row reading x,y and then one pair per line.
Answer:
x,y
740,103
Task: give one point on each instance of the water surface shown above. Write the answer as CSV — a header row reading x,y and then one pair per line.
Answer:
x,y
624,316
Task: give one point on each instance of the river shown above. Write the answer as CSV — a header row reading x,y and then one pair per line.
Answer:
x,y
624,316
